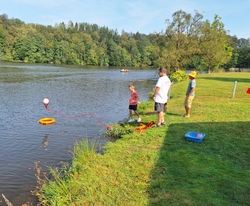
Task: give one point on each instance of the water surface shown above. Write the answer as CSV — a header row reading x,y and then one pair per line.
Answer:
x,y
72,91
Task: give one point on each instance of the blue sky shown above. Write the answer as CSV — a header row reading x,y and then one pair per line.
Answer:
x,y
144,16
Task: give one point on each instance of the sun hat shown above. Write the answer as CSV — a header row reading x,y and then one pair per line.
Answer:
x,y
192,74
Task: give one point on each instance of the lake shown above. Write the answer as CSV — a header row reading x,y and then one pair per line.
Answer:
x,y
72,90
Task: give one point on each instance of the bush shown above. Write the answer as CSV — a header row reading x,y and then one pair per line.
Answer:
x,y
178,76
117,131
143,107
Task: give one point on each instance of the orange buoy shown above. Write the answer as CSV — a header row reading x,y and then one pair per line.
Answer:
x,y
47,121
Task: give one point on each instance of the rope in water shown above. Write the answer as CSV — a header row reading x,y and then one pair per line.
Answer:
x,y
78,115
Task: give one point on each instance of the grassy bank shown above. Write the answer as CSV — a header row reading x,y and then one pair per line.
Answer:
x,y
158,166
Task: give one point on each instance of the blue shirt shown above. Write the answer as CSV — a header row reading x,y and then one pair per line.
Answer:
x,y
191,84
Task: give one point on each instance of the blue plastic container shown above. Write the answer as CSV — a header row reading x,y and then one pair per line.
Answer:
x,y
194,136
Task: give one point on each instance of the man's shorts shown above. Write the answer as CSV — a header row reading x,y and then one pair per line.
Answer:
x,y
159,107
188,101
132,107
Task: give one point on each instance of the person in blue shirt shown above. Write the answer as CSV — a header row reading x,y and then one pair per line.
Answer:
x,y
190,93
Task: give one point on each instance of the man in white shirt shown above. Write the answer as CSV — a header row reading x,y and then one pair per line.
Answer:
x,y
161,94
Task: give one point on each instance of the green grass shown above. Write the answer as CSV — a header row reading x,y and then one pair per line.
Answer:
x,y
158,166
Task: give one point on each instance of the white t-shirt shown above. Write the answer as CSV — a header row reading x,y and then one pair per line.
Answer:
x,y
164,84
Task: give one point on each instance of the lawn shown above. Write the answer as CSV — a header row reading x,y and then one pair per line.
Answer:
x,y
158,166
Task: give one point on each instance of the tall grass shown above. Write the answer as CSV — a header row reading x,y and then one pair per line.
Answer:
x,y
158,166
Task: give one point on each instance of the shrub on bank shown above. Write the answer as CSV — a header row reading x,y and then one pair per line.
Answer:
x,y
178,76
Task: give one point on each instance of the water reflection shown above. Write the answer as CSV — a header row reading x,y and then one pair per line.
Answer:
x,y
46,141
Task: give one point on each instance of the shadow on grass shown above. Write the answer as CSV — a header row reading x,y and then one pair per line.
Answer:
x,y
150,113
168,113
173,114
212,172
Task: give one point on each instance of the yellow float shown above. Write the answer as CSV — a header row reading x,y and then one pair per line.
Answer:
x,y
46,121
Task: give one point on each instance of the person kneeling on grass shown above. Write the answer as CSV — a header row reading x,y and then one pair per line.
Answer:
x,y
133,102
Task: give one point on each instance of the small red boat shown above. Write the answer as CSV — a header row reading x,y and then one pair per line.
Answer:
x,y
124,70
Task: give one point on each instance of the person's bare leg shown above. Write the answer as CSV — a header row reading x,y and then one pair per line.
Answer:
x,y
137,114
130,114
188,111
160,117
165,109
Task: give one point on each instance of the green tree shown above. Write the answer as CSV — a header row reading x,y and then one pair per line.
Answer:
x,y
242,50
244,57
77,44
125,57
72,58
214,44
187,42
22,48
180,43
135,57
62,52
113,53
152,54
142,44
102,56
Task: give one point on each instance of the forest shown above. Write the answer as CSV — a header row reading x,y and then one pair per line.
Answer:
x,y
187,42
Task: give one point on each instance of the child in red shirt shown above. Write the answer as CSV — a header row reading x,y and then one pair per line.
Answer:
x,y
133,101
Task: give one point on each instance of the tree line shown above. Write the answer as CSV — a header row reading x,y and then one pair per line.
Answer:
x,y
188,42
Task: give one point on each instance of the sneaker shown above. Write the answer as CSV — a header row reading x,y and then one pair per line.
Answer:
x,y
131,120
163,123
139,119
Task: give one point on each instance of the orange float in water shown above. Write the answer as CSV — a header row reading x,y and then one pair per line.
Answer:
x,y
47,121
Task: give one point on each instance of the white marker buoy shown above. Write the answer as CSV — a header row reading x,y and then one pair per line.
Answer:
x,y
46,100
